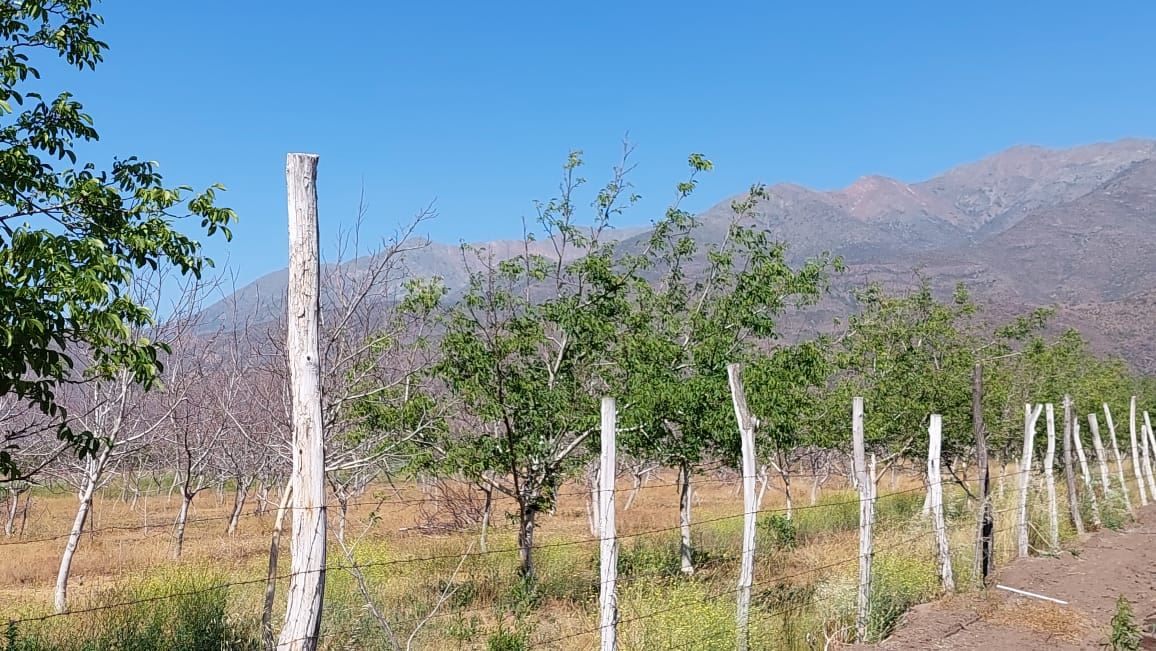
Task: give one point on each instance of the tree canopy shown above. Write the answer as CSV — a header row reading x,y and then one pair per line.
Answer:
x,y
73,232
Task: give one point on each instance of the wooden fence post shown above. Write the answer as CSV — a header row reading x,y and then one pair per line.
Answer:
x,y
1031,417
866,489
1137,462
1088,485
302,623
983,541
607,529
1101,456
1050,480
1147,430
935,487
1147,460
1069,470
1119,460
750,509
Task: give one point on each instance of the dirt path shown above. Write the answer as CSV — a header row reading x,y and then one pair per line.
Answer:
x,y
1107,565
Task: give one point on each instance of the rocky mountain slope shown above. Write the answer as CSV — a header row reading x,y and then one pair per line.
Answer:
x,y
1075,228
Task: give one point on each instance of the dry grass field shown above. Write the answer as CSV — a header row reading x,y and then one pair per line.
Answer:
x,y
460,597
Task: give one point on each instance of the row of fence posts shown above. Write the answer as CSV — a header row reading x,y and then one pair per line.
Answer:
x,y
864,480
865,484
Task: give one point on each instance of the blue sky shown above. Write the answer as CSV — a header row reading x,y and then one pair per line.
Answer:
x,y
475,105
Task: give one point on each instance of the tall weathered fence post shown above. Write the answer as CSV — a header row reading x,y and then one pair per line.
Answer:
x,y
307,544
1093,503
1050,480
750,509
1101,456
1069,471
866,489
1148,475
1148,436
935,487
607,529
1137,467
983,541
1031,417
1119,461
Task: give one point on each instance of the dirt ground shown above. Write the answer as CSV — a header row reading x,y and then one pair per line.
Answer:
x,y
1090,578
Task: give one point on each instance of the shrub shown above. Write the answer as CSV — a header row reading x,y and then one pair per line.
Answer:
x,y
898,582
1125,634
196,620
778,532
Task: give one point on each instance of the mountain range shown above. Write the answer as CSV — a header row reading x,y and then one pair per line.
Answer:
x,y
1029,226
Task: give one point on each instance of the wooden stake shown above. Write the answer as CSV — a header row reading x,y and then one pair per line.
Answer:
x,y
1147,455
1101,455
866,489
607,529
1050,481
1069,471
1137,460
750,509
1088,486
1119,460
302,623
1031,417
935,487
983,542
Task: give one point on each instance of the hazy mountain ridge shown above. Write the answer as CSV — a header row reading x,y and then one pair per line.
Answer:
x,y
1027,226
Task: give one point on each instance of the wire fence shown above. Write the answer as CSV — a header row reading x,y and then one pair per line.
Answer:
x,y
769,585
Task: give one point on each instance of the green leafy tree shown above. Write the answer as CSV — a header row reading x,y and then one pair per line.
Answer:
x,y
73,234
705,308
528,351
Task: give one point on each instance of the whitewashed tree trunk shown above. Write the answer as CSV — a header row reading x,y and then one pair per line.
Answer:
x,y
1031,418
1119,460
764,480
866,488
1050,481
684,500
94,469
487,508
789,504
179,525
1093,503
271,574
302,624
607,528
935,489
238,506
746,426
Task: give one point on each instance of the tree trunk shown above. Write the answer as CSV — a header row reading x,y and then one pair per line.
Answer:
x,y
684,498
764,481
93,471
238,505
489,506
527,519
271,575
182,518
635,487
785,470
13,507
816,485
